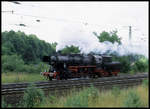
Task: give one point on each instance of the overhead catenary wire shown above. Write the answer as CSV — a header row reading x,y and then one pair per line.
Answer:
x,y
57,19
38,18
66,20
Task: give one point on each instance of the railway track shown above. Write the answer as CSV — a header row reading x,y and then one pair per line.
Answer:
x,y
126,80
13,92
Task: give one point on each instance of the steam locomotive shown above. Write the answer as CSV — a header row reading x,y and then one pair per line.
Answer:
x,y
66,66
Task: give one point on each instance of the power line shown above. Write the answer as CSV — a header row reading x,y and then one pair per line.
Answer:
x,y
62,20
58,19
65,20
9,11
15,2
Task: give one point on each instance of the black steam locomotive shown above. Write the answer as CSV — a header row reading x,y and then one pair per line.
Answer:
x,y
65,66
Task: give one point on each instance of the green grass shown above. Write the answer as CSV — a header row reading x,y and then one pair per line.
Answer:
x,y
92,97
103,99
13,77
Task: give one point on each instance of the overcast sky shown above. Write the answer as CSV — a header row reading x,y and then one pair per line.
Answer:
x,y
60,21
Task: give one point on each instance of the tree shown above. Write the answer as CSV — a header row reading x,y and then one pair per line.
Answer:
x,y
29,55
70,49
111,37
29,47
8,48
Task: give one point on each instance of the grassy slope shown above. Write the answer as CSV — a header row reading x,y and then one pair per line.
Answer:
x,y
104,99
13,77
21,77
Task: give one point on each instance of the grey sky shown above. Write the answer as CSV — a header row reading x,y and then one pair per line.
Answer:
x,y
56,18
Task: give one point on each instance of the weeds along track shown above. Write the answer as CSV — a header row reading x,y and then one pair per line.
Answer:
x,y
105,82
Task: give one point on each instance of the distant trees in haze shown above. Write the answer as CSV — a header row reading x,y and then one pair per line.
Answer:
x,y
111,37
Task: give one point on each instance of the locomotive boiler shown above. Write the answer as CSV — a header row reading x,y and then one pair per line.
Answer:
x,y
65,66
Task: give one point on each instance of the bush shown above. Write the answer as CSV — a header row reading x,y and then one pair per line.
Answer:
x,y
12,63
132,100
132,63
33,97
31,68
142,65
125,63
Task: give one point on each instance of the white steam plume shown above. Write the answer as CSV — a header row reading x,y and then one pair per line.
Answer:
x,y
87,42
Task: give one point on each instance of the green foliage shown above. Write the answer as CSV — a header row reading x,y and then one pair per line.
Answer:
x,y
142,65
7,48
92,92
54,45
52,98
145,83
29,47
70,49
125,63
111,37
14,63
4,104
81,100
132,72
11,63
35,68
115,91
23,53
33,97
77,101
132,100
132,63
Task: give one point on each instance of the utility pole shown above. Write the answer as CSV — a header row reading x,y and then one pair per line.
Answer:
x,y
130,31
130,34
